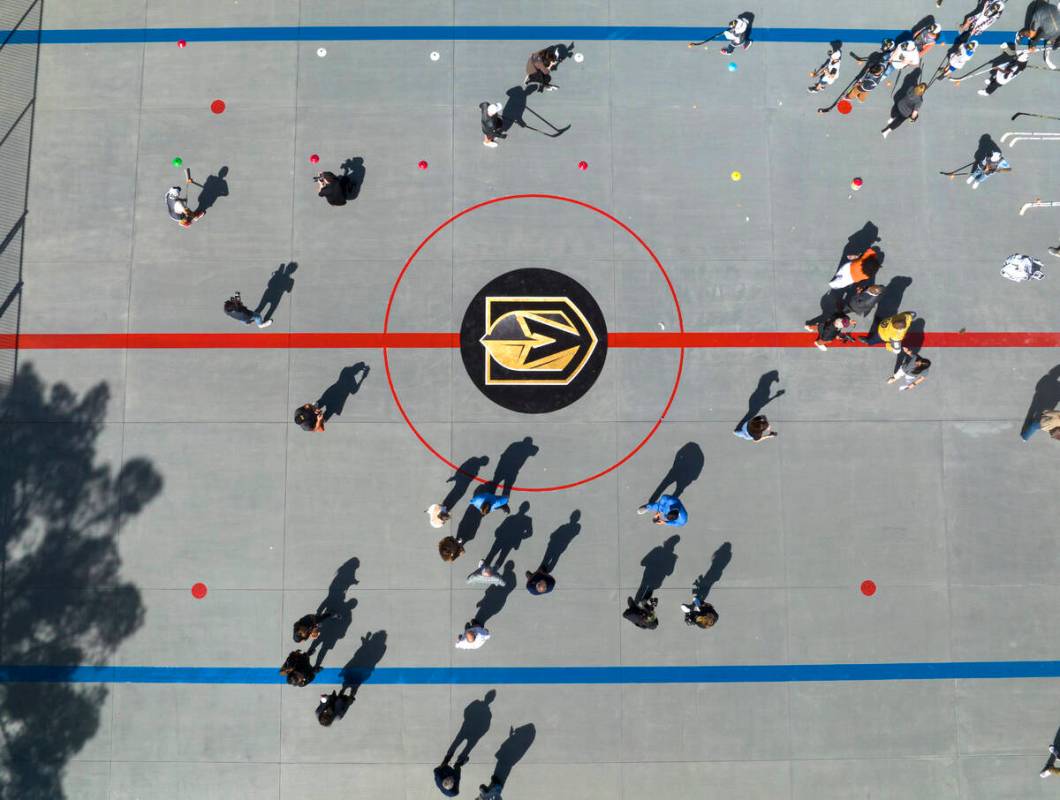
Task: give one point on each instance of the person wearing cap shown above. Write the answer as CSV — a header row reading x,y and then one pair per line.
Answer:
x,y
912,370
492,123
179,210
827,73
957,58
906,108
668,511
474,636
738,33
986,166
893,329
334,188
829,327
1005,73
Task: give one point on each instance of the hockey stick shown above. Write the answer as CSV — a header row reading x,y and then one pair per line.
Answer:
x,y
842,94
1028,114
959,170
709,39
1038,204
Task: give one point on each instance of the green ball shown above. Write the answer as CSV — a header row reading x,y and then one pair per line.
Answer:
x,y
177,161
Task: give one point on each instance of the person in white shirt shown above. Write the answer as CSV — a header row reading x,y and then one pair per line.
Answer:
x,y
738,34
474,636
827,72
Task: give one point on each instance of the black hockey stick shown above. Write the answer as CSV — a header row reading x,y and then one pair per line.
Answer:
x,y
1028,114
710,39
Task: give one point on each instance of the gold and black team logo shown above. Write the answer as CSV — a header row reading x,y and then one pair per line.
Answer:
x,y
533,340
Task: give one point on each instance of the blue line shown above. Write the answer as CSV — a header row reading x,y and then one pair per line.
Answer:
x,y
494,676
449,33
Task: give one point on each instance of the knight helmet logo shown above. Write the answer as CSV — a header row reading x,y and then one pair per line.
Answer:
x,y
535,341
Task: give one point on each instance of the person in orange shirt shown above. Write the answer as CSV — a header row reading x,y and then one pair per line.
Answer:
x,y
857,269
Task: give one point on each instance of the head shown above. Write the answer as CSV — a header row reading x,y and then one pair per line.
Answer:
x,y
875,290
919,89
995,157
303,417
493,109
1026,33
469,636
672,514
935,29
315,632
970,48
541,587
876,70
326,716
758,426
899,324
732,23
706,618
997,8
887,45
1055,433
450,548
174,191
448,782
842,322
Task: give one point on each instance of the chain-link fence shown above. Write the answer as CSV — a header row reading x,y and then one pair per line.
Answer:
x,y
19,22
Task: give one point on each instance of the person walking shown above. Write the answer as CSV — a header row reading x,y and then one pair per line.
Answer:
x,y
1050,765
308,627
904,55
857,268
986,166
447,778
1049,422
907,108
912,370
450,548
755,429
438,515
492,123
236,310
298,669
642,614
830,327
539,582
474,636
179,210
491,792
699,612
1005,73
868,81
485,575
893,329
332,706
738,33
333,188
309,418
668,511
864,300
539,69
986,14
827,73
927,37
485,501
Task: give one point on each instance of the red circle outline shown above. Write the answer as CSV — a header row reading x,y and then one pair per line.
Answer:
x,y
562,199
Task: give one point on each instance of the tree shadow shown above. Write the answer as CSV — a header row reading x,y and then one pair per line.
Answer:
x,y
559,541
477,720
363,663
512,750
353,175
462,478
512,532
1046,397
65,602
280,283
511,461
718,562
215,186
658,564
334,398
761,396
687,466
495,597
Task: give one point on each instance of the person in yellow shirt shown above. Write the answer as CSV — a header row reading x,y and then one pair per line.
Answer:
x,y
893,329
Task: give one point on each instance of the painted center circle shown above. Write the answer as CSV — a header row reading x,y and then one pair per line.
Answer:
x,y
533,340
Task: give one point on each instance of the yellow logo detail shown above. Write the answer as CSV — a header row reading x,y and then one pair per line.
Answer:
x,y
548,339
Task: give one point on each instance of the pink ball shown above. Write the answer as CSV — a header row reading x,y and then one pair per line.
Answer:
x,y
314,159
422,165
583,165
182,44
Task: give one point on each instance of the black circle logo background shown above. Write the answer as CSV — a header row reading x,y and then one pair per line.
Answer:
x,y
533,282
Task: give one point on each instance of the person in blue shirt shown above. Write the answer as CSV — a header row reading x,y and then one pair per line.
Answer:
x,y
668,511
485,501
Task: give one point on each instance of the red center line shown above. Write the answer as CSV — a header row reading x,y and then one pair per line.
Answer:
x,y
424,341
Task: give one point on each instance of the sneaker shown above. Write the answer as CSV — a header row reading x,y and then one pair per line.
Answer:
x,y
265,324
983,92
551,88
686,609
907,386
489,144
747,44
820,345
884,133
1055,251
970,179
975,185
727,50
642,510
1045,773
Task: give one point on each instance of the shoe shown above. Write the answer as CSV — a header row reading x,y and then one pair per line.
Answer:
x,y
976,184
983,92
970,179
1055,251
686,609
642,510
265,324
747,44
907,386
727,50
551,88
489,144
884,134
820,345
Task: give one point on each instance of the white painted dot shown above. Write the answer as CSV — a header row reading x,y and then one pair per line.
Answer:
x,y
579,57
435,56
322,51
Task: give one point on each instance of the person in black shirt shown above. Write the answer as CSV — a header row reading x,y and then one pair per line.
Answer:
x,y
907,108
864,300
492,123
642,614
447,778
539,582
308,627
333,705
309,418
333,188
829,327
236,310
298,669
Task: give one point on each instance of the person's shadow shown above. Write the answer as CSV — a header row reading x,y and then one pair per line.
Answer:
x,y
353,174
333,400
467,528
477,719
333,629
462,478
511,461
658,564
687,467
510,534
914,340
280,283
494,598
1046,397
761,396
515,109
363,663
345,577
215,186
860,241
718,562
559,541
890,303
513,749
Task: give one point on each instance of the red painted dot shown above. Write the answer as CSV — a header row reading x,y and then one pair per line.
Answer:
x,y
218,106
844,107
182,44
868,588
314,159
422,165
198,591
583,165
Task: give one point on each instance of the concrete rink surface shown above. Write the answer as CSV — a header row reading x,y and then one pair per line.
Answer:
x,y
150,447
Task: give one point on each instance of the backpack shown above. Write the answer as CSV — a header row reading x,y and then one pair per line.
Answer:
x,y
1019,268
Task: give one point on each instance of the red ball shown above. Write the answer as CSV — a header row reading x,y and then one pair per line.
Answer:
x,y
182,44
844,107
198,591
314,159
858,182
218,106
583,165
422,165
868,588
